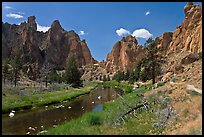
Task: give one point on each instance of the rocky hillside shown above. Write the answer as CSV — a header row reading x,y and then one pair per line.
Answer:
x,y
125,54
187,36
37,48
181,47
184,45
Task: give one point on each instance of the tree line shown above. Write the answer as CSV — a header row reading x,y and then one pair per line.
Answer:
x,y
11,70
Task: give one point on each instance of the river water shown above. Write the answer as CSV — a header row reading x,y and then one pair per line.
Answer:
x,y
50,116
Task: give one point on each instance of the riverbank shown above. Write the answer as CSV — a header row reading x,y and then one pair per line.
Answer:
x,y
31,99
117,117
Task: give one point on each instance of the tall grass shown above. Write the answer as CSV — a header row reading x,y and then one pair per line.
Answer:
x,y
104,122
16,102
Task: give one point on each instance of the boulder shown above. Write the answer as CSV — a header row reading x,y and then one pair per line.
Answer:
x,y
190,58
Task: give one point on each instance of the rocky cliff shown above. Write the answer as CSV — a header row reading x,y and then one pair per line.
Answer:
x,y
187,36
185,42
125,54
37,48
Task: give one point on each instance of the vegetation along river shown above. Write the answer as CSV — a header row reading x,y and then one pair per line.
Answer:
x,y
35,120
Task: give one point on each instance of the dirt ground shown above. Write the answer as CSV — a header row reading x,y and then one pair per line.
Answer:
x,y
186,103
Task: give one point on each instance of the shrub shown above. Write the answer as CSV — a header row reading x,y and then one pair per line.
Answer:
x,y
128,89
160,84
55,86
165,102
169,91
94,119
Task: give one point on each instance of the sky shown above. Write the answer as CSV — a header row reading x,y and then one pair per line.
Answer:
x,y
101,24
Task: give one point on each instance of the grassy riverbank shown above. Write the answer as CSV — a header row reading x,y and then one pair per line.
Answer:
x,y
122,85
109,121
30,99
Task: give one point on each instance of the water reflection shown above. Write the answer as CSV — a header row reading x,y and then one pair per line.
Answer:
x,y
98,107
47,117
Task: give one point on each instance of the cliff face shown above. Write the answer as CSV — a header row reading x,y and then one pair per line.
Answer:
x,y
188,36
37,48
125,54
185,42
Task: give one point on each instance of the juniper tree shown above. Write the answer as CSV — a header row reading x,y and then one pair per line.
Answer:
x,y
72,74
16,65
5,69
150,65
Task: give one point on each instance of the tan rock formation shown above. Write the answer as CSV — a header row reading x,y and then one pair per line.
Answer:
x,y
188,36
38,48
125,54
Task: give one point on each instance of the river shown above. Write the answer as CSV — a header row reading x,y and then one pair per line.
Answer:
x,y
36,120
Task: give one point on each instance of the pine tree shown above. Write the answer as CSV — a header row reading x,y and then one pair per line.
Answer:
x,y
72,74
53,76
100,78
104,78
16,65
5,69
108,79
151,63
44,72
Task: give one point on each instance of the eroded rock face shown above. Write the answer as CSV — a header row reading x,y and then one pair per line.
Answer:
x,y
125,54
164,40
190,58
186,39
188,36
37,48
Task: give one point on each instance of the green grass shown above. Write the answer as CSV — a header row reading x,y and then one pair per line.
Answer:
x,y
95,119
122,85
103,122
16,102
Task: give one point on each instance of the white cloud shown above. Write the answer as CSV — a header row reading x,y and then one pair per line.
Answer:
x,y
13,15
21,13
147,13
142,33
8,7
82,32
138,33
122,32
42,28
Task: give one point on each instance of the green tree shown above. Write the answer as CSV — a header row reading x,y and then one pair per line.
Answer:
x,y
108,78
53,76
127,75
135,74
44,74
72,74
104,78
119,76
100,78
16,65
150,65
5,69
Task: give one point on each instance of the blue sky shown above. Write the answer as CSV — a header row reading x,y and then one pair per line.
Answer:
x,y
102,24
